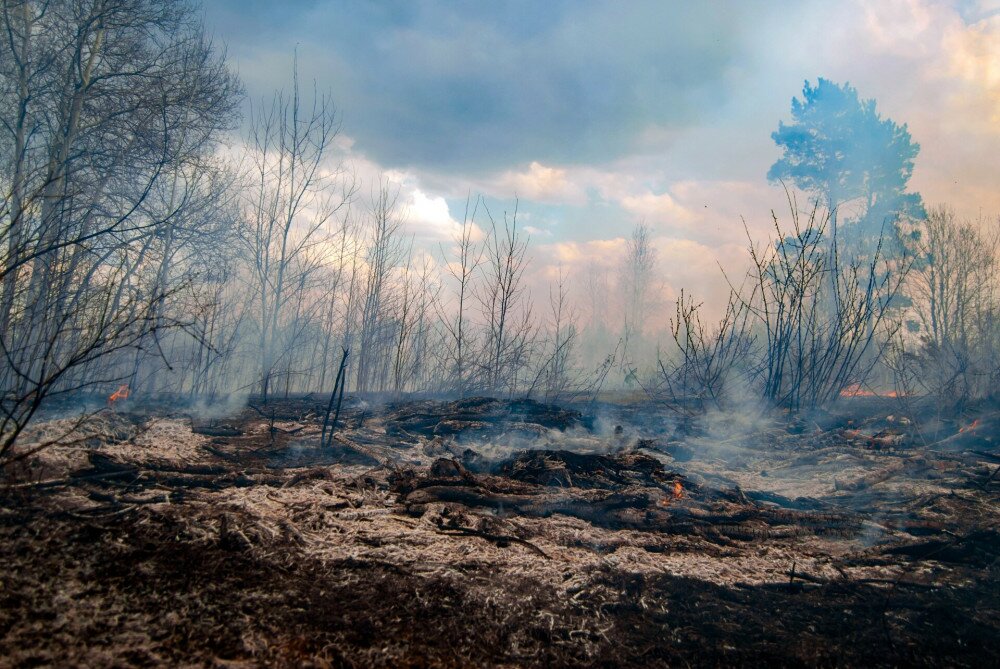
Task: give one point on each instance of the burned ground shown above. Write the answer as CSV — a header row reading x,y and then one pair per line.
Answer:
x,y
489,533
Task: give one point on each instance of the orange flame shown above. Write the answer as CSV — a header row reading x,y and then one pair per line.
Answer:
x,y
969,428
676,492
120,394
855,390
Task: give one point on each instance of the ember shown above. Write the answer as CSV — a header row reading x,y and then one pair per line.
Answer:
x,y
969,428
375,427
573,533
118,395
855,390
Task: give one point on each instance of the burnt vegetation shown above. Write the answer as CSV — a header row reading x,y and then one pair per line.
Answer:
x,y
246,417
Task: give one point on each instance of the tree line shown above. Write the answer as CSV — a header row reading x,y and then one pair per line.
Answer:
x,y
135,251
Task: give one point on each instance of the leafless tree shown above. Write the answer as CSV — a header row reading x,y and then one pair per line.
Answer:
x,y
818,336
636,286
104,104
384,254
467,257
637,274
556,373
190,252
429,349
509,331
955,325
340,280
712,366
296,190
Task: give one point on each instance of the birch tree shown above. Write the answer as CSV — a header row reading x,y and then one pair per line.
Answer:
x,y
509,332
384,254
467,257
296,190
100,102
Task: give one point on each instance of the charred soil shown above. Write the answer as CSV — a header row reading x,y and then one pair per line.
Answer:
x,y
491,533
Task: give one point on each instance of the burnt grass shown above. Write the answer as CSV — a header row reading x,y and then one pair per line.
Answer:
x,y
134,587
200,607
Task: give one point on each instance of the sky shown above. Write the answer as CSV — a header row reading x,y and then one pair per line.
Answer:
x,y
597,115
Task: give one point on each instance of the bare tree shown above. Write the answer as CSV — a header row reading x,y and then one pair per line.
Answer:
x,y
818,336
635,283
339,281
468,256
556,372
789,334
955,309
713,366
506,308
637,273
295,192
429,350
384,254
103,102
188,252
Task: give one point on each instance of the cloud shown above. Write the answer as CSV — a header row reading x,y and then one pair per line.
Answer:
x,y
657,208
974,59
477,86
429,218
541,184
936,66
900,27
597,115
537,232
596,253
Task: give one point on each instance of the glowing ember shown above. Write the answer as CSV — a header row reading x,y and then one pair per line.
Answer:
x,y
969,428
120,394
855,390
676,492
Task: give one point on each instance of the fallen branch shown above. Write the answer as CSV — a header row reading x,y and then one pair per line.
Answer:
x,y
381,455
496,538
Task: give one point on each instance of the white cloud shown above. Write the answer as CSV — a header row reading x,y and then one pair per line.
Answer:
x,y
926,64
948,93
657,208
541,183
595,253
974,59
537,232
428,216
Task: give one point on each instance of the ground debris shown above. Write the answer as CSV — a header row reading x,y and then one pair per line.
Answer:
x,y
423,538
586,470
479,416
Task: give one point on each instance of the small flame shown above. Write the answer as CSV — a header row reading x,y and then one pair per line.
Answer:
x,y
120,394
969,428
855,390
676,492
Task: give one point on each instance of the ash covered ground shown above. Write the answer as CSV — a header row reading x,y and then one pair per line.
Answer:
x,y
493,533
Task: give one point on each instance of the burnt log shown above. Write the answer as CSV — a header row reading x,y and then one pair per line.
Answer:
x,y
586,470
625,491
213,429
479,415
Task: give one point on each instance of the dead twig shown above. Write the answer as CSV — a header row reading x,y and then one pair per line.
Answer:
x,y
990,479
495,538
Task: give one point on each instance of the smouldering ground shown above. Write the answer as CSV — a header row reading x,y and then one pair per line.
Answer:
x,y
147,544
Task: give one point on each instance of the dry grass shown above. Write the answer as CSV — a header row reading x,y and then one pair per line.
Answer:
x,y
322,566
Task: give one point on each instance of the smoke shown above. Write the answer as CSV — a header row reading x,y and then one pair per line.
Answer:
x,y
215,408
